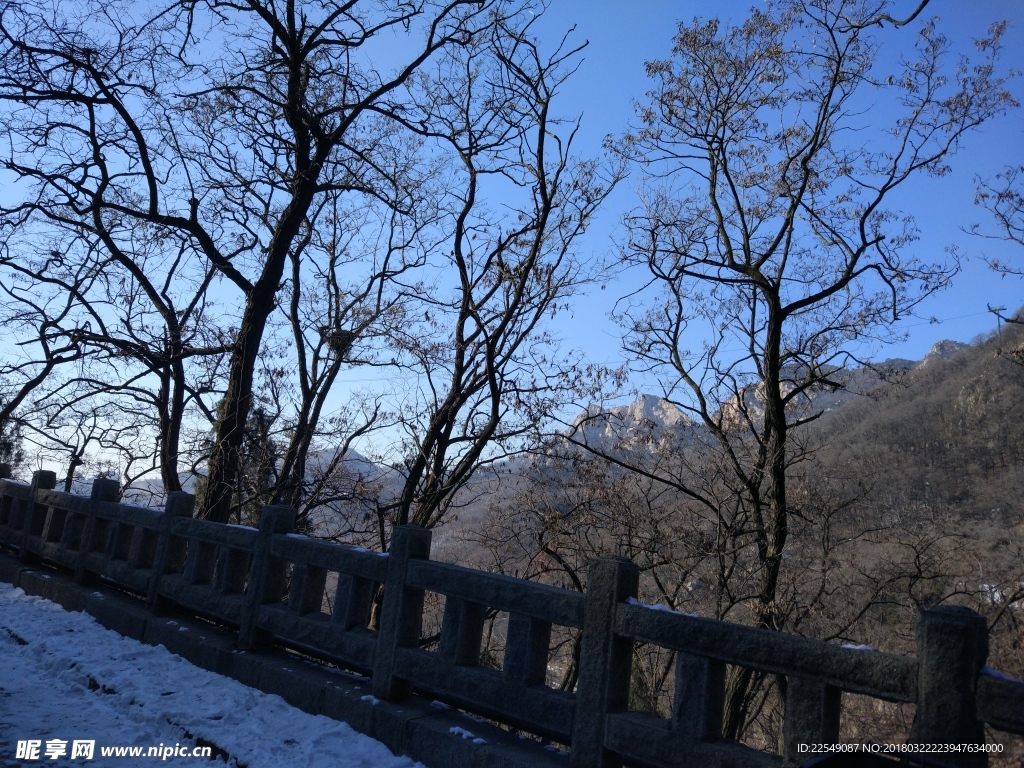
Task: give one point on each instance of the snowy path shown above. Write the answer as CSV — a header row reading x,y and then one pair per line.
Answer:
x,y
63,676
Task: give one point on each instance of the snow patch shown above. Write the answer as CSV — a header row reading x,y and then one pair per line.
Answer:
x,y
651,606
466,734
999,675
144,696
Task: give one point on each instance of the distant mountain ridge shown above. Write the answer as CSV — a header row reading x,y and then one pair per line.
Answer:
x,y
652,420
648,417
649,423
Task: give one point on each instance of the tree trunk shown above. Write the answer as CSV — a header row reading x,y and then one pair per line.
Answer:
x,y
225,461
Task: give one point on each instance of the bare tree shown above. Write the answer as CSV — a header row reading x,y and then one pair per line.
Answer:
x,y
127,129
130,323
770,252
1004,199
488,374
341,312
34,319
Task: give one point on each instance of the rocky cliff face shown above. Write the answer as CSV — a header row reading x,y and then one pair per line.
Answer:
x,y
648,418
944,350
651,420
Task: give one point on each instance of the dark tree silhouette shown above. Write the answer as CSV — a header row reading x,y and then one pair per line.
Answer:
x,y
162,150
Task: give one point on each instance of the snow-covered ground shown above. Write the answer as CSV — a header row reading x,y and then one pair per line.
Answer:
x,y
64,678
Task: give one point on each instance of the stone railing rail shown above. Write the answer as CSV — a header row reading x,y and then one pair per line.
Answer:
x,y
269,584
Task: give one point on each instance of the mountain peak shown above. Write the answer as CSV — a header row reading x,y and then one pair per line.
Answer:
x,y
648,415
653,409
944,350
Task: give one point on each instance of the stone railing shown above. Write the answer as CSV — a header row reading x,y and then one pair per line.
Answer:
x,y
269,585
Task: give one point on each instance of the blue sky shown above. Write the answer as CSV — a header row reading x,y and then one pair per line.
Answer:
x,y
612,78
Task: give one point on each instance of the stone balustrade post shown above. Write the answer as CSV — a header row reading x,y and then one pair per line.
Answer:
x,y
94,531
811,717
606,661
699,699
952,646
266,583
33,514
353,601
169,551
462,628
401,617
6,502
306,592
527,647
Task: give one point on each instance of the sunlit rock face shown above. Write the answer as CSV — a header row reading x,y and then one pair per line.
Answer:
x,y
944,350
654,422
647,421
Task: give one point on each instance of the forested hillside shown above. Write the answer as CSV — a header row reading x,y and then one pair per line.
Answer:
x,y
904,496
946,439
